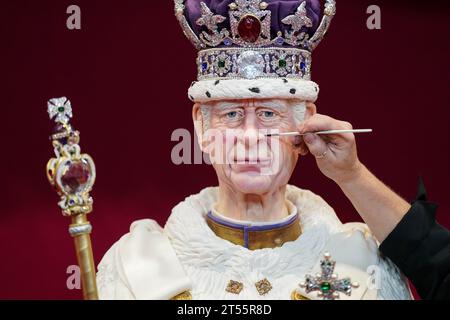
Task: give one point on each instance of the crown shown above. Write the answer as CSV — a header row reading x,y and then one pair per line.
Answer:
x,y
252,39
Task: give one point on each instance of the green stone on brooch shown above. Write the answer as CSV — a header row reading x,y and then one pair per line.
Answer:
x,y
325,287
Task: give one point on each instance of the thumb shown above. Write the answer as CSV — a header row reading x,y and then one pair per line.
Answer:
x,y
315,144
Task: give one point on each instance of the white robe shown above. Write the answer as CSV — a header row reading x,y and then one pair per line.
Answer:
x,y
154,263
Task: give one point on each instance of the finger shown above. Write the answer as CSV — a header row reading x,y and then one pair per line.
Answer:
x,y
320,122
303,149
300,127
316,145
317,122
323,123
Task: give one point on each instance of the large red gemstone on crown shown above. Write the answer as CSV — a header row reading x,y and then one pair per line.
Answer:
x,y
76,176
249,28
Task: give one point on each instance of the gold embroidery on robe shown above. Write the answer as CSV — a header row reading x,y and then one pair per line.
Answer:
x,y
183,296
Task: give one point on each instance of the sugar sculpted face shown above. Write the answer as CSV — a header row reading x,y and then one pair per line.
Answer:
x,y
234,134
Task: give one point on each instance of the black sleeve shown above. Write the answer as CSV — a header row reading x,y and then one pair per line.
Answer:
x,y
420,247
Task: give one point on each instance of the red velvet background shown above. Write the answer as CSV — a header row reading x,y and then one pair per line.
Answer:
x,y
126,73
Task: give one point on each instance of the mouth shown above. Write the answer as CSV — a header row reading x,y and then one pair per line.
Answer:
x,y
250,165
247,168
255,162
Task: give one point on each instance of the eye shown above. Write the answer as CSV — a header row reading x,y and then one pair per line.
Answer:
x,y
232,115
267,115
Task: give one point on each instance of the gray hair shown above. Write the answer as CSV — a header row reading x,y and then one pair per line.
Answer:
x,y
205,110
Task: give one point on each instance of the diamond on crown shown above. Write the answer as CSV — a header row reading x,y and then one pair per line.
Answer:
x,y
251,64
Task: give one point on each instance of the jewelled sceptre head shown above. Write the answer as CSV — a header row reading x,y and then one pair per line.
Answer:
x,y
73,175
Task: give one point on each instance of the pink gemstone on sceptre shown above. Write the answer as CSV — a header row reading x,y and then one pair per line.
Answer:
x,y
76,176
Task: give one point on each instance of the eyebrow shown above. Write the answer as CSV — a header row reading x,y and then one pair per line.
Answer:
x,y
274,104
225,105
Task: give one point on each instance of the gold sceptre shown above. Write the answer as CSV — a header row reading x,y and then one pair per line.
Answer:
x,y
73,176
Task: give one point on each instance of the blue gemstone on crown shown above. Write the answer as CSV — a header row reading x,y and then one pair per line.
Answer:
x,y
302,66
279,41
227,42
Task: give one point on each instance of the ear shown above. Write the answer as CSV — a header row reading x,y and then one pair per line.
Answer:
x,y
197,117
311,110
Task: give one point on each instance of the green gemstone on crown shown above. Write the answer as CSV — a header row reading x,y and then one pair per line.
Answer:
x,y
282,63
61,109
221,64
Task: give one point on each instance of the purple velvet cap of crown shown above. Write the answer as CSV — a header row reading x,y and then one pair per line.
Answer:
x,y
280,9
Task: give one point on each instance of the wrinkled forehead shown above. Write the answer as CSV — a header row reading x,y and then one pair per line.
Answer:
x,y
277,104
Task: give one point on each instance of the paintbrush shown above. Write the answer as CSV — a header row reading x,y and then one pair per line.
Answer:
x,y
293,134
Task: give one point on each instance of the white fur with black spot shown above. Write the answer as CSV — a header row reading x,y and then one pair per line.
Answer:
x,y
230,89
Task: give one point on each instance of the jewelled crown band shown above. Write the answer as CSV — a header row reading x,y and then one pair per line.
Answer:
x,y
253,40
255,63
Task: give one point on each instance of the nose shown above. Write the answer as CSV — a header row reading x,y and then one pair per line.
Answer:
x,y
252,134
251,137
